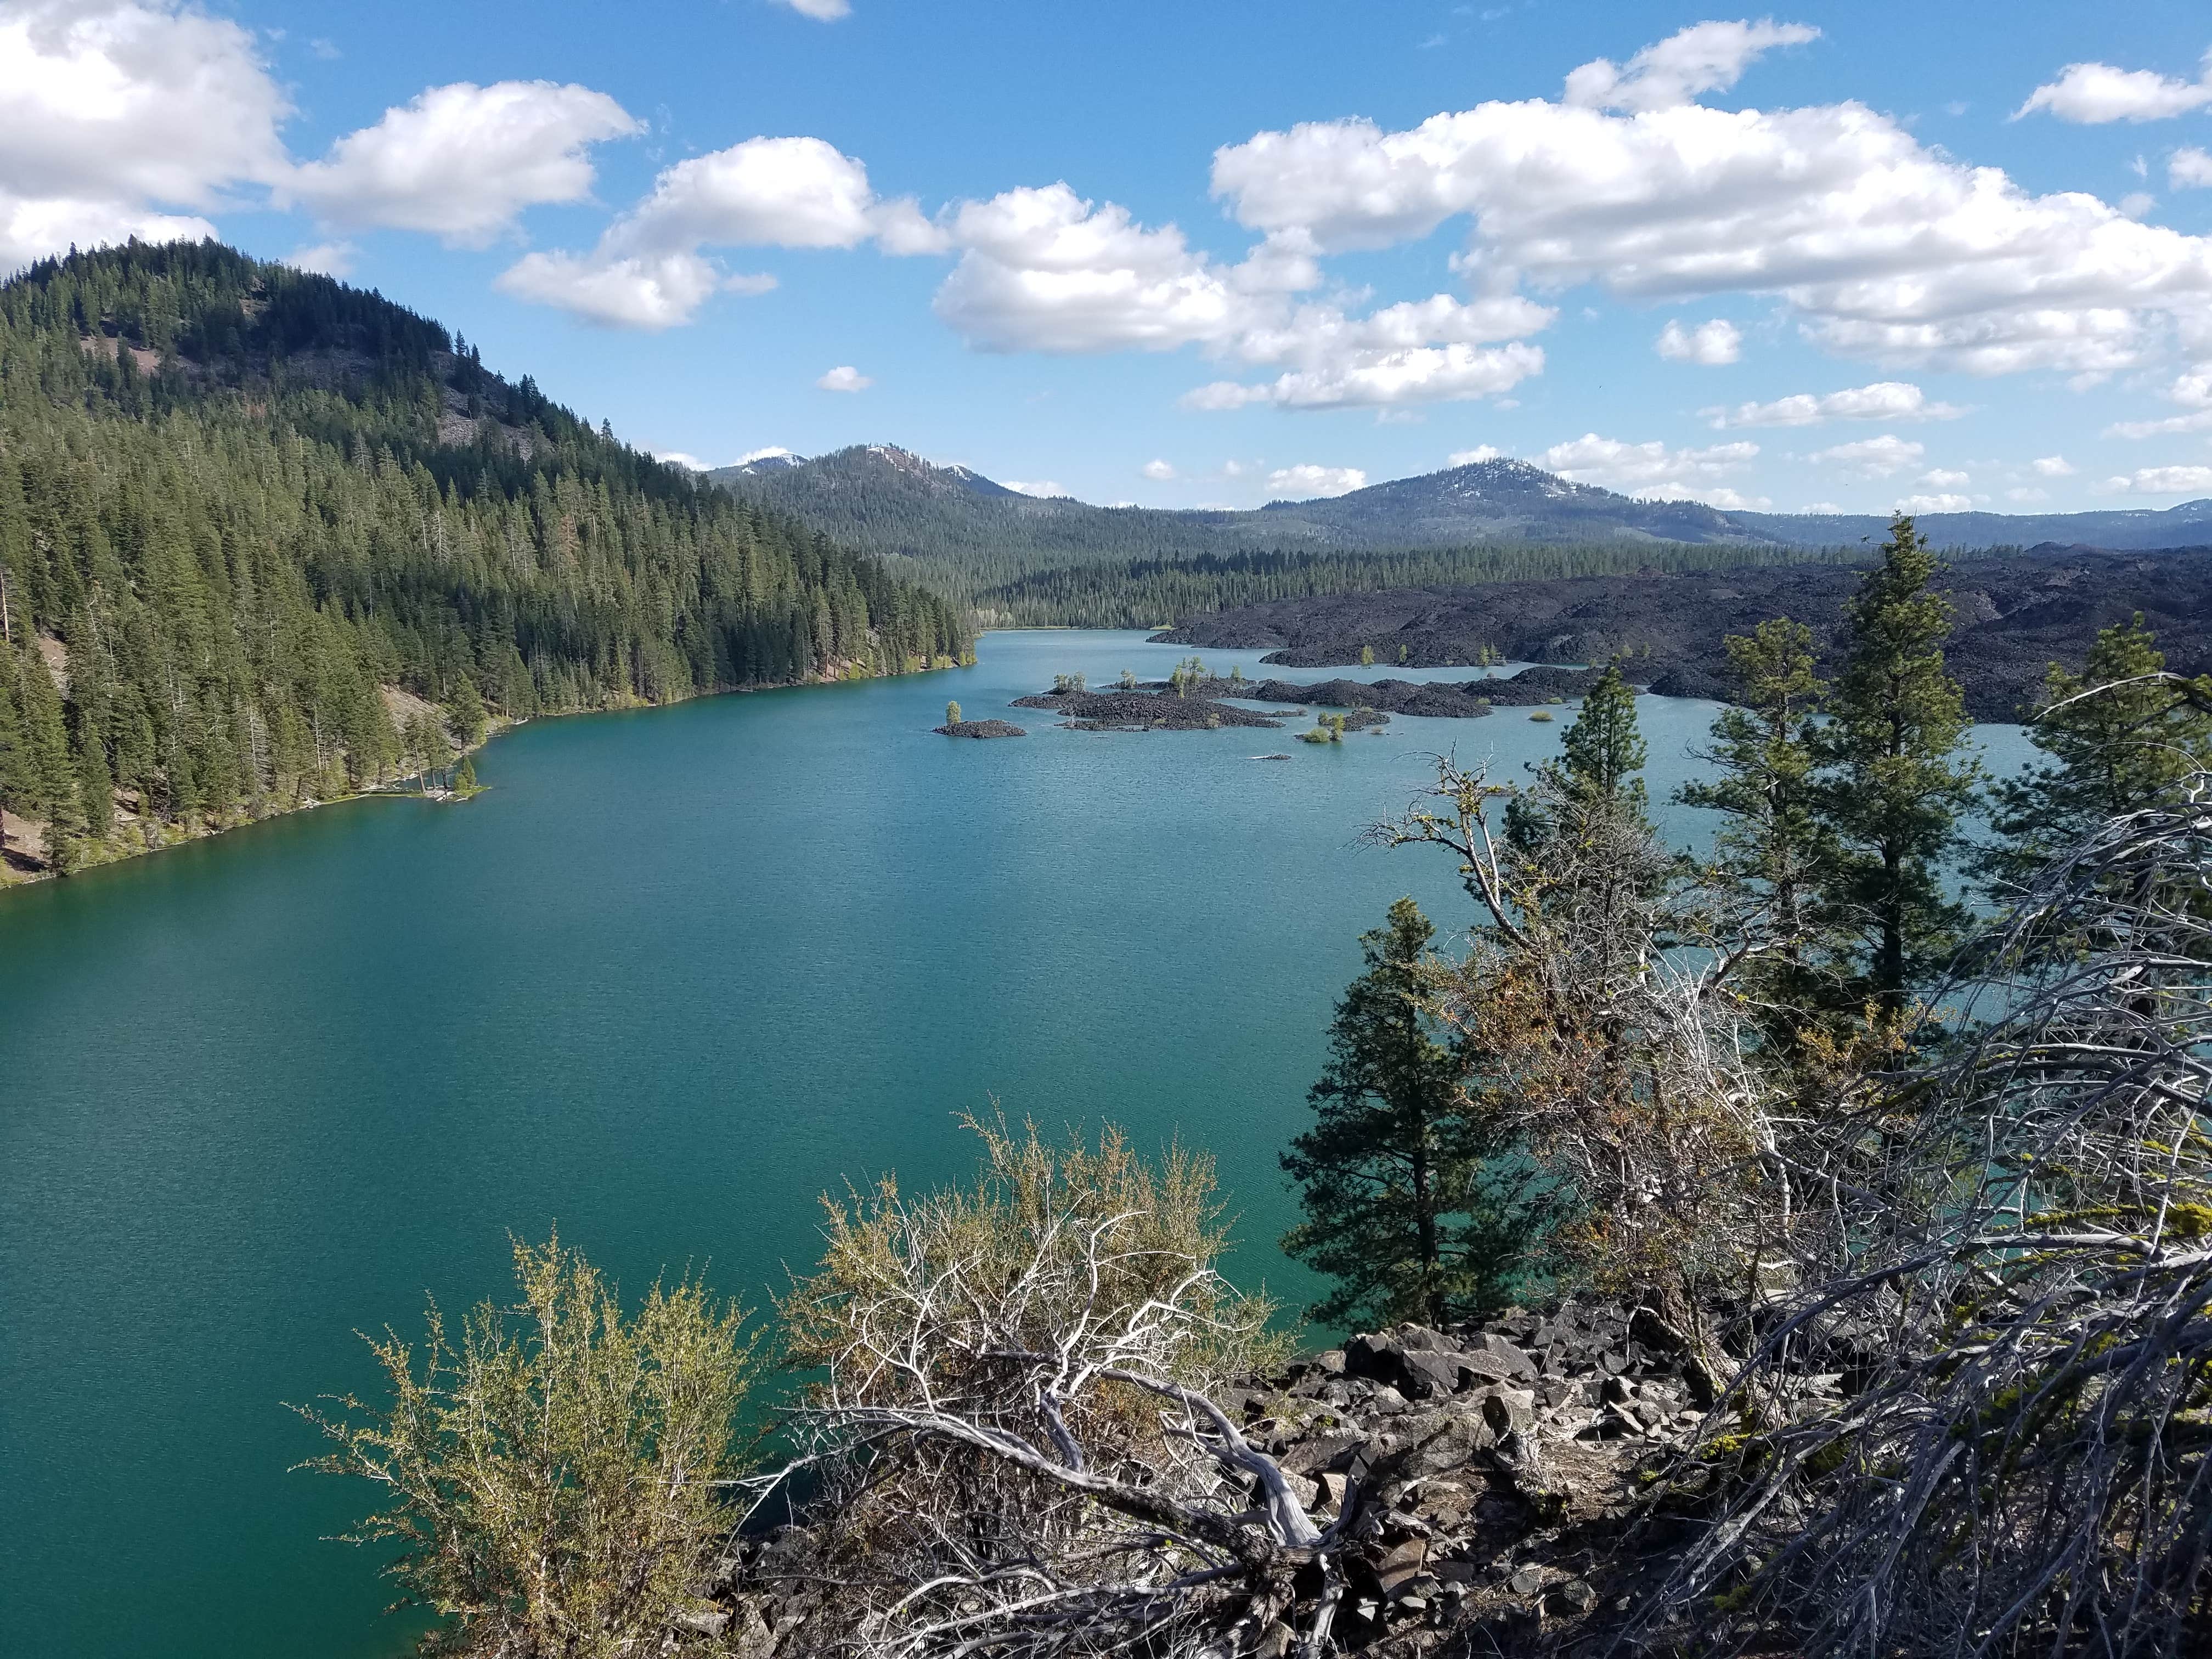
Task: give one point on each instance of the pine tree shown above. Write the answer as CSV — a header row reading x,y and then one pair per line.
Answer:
x,y
2112,753
51,772
1894,784
16,762
1769,852
1404,1207
1603,749
952,714
465,712
1594,779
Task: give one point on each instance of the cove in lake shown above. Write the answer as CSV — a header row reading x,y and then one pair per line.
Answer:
x,y
679,972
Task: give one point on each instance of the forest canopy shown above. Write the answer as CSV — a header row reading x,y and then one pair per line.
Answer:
x,y
239,500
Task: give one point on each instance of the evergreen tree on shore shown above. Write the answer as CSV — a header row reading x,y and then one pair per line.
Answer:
x,y
2116,752
1404,1207
1894,785
1768,856
1603,751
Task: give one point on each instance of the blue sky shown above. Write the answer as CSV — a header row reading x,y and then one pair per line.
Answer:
x,y
1855,256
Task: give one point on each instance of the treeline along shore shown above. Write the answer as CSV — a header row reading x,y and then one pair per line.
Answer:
x,y
261,532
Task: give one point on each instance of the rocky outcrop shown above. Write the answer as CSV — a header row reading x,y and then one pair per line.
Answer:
x,y
1142,711
1504,1473
1442,700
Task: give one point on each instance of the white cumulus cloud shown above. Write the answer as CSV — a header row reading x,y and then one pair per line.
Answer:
x,y
2053,466
1710,343
764,192
846,378
1044,489
2189,169
1883,248
822,11
1159,472
2163,427
1939,503
1654,470
1885,400
1703,58
1423,374
1944,478
1874,458
2164,480
115,116
462,161
1469,457
640,292
1305,481
324,258
2092,95
1042,269
650,269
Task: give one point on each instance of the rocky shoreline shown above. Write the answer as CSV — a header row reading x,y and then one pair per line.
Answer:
x,y
1505,1476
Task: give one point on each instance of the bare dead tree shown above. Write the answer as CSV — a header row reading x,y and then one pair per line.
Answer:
x,y
1020,1451
1596,992
2019,1272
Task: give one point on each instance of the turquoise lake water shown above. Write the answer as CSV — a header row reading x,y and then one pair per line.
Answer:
x,y
678,973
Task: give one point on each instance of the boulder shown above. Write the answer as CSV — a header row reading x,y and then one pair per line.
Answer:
x,y
1509,1410
1490,1345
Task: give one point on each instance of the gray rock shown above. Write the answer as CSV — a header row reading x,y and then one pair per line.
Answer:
x,y
1398,1569
1575,1596
1506,1410
1515,1359
706,1621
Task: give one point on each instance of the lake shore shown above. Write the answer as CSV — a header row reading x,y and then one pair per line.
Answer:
x,y
21,865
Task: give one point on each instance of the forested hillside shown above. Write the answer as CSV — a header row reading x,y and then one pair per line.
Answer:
x,y
244,509
1152,592
956,530
1024,562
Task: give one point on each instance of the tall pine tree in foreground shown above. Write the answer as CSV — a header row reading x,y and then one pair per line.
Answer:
x,y
1603,751
1767,858
1894,784
1405,1205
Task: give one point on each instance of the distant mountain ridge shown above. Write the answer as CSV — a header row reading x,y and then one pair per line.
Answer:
x,y
890,501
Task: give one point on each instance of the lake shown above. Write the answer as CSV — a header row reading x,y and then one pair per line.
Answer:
x,y
679,972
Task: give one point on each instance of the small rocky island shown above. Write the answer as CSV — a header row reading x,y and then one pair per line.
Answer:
x,y
1442,700
1136,709
1195,702
979,729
